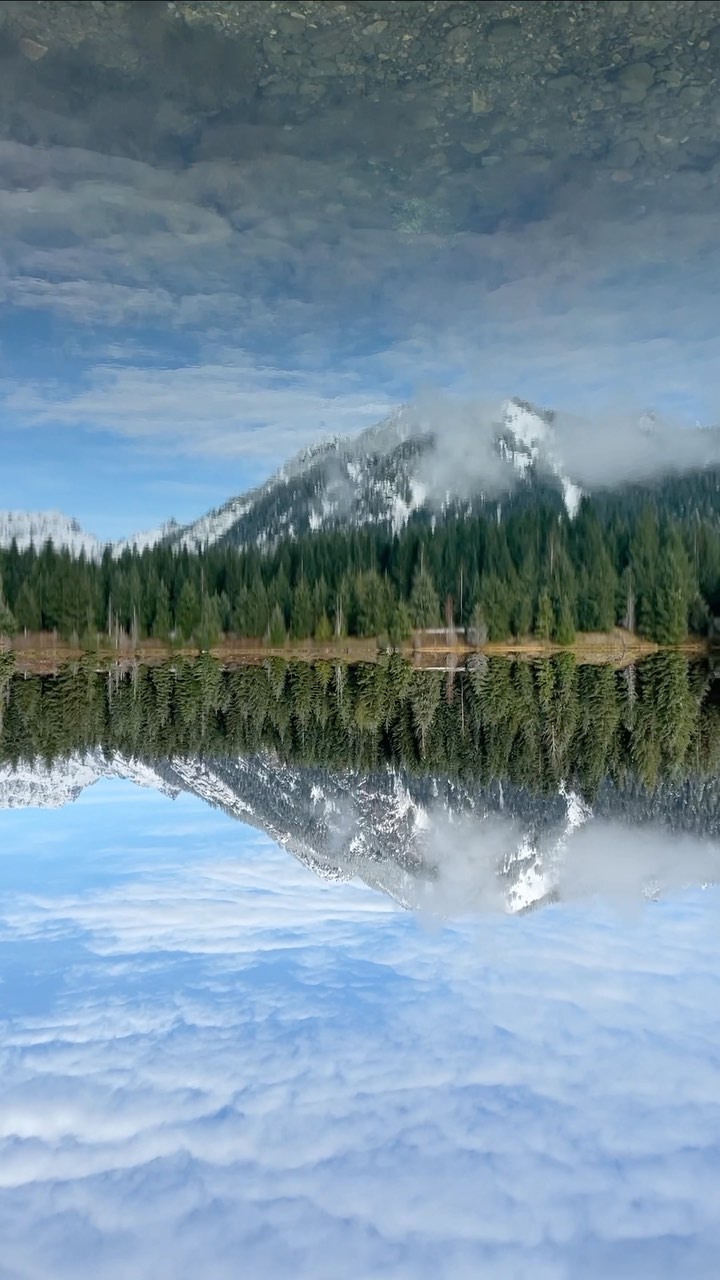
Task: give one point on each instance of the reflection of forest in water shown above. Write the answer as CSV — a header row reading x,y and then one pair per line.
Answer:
x,y
536,724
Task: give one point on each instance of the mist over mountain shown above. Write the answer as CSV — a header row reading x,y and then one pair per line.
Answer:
x,y
434,456
492,788
429,843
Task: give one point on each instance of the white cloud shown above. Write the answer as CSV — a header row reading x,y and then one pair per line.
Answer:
x,y
242,410
243,1063
93,303
585,303
245,309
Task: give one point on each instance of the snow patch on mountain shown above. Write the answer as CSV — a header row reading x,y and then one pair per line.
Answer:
x,y
38,785
411,460
536,876
402,508
533,444
35,528
201,779
212,527
148,538
42,786
572,494
527,426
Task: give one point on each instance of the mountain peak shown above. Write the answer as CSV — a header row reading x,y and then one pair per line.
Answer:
x,y
36,528
28,528
414,458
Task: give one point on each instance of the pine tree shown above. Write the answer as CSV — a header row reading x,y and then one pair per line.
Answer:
x,y
27,608
276,632
319,599
598,584
424,695
400,628
544,617
8,625
257,613
646,569
188,610
521,618
371,598
323,630
700,616
478,630
603,590
627,599
672,592
495,604
207,631
161,623
424,602
343,596
239,612
564,628
302,615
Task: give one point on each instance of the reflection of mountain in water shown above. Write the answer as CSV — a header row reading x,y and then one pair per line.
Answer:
x,y
380,827
438,788
427,841
405,834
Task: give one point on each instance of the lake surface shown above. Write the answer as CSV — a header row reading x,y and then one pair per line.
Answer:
x,y
318,972
404,972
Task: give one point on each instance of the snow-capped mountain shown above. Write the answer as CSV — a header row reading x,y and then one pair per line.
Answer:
x,y
381,476
427,842
432,458
388,472
347,480
50,786
35,528
38,527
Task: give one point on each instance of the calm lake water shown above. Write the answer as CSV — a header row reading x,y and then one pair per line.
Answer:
x,y
417,969
355,973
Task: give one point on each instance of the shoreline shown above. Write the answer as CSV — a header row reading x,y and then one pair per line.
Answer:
x,y
42,654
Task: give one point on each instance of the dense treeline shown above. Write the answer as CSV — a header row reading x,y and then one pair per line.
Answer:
x,y
534,724
534,571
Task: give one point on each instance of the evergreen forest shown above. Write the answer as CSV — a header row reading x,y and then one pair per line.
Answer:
x,y
653,567
537,724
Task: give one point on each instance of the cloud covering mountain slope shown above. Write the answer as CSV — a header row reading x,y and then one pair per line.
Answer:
x,y
434,455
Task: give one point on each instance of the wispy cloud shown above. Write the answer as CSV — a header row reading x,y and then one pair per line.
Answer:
x,y
247,1063
590,299
242,309
242,409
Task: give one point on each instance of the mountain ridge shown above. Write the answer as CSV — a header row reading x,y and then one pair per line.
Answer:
x,y
378,476
428,843
35,528
411,462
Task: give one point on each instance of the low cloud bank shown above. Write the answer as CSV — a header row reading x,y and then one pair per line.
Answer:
x,y
608,449
493,865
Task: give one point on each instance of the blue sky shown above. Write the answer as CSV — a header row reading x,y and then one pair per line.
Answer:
x,y
213,1056
169,338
